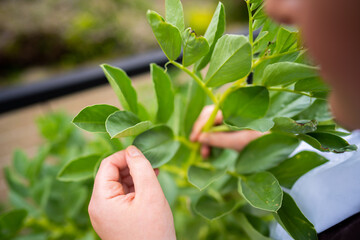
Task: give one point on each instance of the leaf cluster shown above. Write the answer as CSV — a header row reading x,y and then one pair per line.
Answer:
x,y
270,86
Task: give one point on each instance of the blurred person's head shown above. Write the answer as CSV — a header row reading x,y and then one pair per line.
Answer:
x,y
331,31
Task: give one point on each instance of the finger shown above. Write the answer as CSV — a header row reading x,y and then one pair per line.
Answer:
x,y
205,151
156,170
128,181
107,181
143,175
233,140
201,121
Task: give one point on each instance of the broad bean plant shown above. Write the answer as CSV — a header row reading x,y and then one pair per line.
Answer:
x,y
264,82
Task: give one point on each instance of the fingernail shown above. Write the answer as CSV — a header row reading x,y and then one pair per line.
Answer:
x,y
133,151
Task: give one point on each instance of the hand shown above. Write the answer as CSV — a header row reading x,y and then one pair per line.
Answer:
x,y
127,202
233,140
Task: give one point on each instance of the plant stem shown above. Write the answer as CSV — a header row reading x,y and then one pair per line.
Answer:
x,y
289,90
251,38
186,142
239,83
197,79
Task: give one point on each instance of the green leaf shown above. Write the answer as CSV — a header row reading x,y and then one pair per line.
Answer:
x,y
250,231
286,104
157,144
290,170
293,221
92,118
285,73
79,169
203,177
20,162
311,85
327,142
265,152
262,191
318,110
243,108
174,13
211,209
284,124
194,47
246,102
196,98
214,31
169,187
285,40
41,192
261,125
231,51
11,222
164,93
331,128
261,37
121,85
14,182
37,164
167,35
124,124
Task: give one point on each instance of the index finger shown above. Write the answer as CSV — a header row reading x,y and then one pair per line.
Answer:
x,y
107,181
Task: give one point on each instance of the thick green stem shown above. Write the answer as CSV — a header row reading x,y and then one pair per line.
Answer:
x,y
198,80
187,143
289,90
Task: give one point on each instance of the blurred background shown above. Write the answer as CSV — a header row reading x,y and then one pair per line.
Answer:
x,y
40,38
43,40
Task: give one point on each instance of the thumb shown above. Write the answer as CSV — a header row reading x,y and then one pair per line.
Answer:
x,y
143,175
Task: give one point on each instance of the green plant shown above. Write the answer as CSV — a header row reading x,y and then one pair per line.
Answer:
x,y
285,96
41,206
270,85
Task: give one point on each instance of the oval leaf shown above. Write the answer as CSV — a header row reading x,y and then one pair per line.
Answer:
x,y
167,35
214,31
231,51
194,47
285,73
286,104
11,222
209,208
203,177
311,85
157,144
293,168
293,221
327,142
261,125
244,105
196,99
284,124
124,124
121,84
164,93
174,13
265,152
79,169
262,191
92,118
